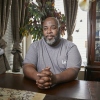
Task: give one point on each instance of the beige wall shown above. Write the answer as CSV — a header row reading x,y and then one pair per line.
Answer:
x,y
81,74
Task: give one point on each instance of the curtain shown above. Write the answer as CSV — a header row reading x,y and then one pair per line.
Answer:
x,y
70,7
18,14
5,6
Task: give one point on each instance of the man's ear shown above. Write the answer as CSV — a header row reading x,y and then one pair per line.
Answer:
x,y
62,32
59,29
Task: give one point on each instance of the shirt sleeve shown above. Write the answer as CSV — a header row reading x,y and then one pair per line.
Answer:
x,y
31,56
74,57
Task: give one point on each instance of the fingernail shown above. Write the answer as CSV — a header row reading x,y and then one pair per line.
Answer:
x,y
50,79
38,74
50,83
46,87
47,67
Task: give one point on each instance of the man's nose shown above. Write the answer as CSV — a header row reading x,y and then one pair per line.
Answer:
x,y
49,30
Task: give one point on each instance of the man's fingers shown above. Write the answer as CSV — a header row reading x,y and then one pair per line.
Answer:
x,y
47,87
44,80
47,84
41,81
45,73
48,73
41,75
41,87
44,86
47,68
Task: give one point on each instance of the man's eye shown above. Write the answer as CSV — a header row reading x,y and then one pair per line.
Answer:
x,y
53,27
45,29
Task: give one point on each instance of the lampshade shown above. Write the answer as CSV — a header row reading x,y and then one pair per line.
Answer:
x,y
85,4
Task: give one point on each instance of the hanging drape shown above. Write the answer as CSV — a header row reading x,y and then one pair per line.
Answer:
x,y
18,13
5,6
70,7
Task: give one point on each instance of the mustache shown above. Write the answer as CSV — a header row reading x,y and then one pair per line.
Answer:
x,y
49,36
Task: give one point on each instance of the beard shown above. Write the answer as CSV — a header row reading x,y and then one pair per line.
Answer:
x,y
52,41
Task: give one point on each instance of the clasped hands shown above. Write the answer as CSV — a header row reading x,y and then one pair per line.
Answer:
x,y
45,78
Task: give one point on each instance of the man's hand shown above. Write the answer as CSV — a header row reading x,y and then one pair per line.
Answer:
x,y
45,78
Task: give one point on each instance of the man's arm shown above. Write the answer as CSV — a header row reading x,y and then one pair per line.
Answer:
x,y
29,71
65,76
49,80
46,78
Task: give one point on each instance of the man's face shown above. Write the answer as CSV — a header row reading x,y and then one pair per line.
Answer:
x,y
51,31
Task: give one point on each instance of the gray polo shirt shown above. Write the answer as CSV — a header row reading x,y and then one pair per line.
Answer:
x,y
59,58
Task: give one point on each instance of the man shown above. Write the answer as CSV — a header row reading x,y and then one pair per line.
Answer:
x,y
52,59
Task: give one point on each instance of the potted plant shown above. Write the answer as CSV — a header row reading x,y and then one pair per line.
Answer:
x,y
36,15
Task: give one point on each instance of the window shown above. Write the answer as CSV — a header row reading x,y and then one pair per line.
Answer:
x,y
80,32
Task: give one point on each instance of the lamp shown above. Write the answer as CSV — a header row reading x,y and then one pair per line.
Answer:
x,y
85,5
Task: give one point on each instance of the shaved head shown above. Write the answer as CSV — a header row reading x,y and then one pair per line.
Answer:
x,y
51,18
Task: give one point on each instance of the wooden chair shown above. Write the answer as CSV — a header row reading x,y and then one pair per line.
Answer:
x,y
92,73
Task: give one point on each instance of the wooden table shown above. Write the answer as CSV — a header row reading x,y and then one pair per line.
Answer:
x,y
74,90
